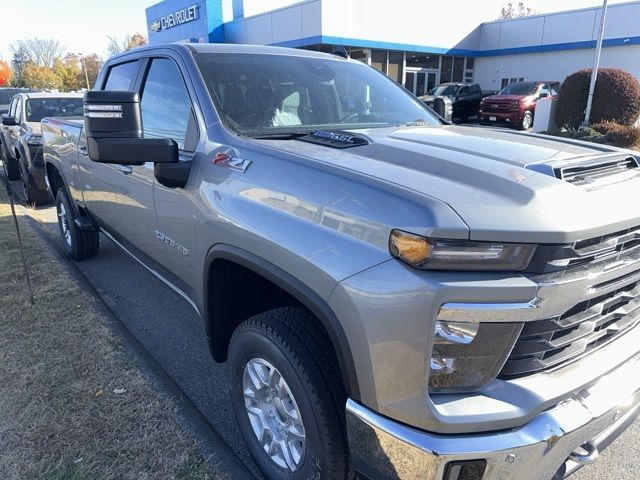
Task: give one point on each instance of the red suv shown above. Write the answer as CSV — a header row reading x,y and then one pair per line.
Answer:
x,y
515,104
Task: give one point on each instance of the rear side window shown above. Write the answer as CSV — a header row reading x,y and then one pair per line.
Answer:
x,y
122,76
166,106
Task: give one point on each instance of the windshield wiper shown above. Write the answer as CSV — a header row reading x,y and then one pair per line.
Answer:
x,y
279,135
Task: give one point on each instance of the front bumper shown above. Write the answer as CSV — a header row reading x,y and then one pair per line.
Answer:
x,y
509,118
548,447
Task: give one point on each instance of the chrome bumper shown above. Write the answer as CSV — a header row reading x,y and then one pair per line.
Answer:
x,y
548,447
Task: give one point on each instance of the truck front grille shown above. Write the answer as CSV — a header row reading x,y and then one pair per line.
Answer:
x,y
496,106
590,324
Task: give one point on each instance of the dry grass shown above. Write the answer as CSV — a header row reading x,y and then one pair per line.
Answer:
x,y
60,369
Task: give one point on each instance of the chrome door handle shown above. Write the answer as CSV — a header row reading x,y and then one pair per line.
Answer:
x,y
84,151
126,169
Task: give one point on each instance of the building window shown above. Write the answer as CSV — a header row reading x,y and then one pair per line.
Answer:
x,y
395,66
379,60
470,62
458,69
423,61
447,69
409,81
507,81
358,54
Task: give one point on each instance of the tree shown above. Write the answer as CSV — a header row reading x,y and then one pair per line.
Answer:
x,y
127,43
616,98
69,72
5,74
18,62
40,77
520,11
92,63
40,51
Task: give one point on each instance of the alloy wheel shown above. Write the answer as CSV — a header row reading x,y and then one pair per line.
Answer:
x,y
274,414
63,219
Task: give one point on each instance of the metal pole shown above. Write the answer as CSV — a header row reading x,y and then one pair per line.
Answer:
x,y
84,67
24,262
596,64
86,75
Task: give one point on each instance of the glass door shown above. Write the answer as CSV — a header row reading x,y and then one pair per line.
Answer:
x,y
420,81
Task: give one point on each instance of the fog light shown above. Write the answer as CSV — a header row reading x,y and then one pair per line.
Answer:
x,y
469,470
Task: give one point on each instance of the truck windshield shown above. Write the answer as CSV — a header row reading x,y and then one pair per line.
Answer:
x,y
519,89
38,108
262,95
445,90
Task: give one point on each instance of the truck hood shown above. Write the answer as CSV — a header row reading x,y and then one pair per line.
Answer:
x,y
501,183
503,98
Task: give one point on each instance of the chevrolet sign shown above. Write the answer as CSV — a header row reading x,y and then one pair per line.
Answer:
x,y
174,19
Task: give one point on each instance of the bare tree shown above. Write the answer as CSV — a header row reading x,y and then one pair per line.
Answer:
x,y
127,43
40,51
514,12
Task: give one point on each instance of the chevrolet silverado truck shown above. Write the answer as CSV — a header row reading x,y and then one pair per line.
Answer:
x,y
22,142
394,296
465,98
515,104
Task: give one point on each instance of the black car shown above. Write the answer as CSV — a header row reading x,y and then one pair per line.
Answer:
x,y
6,94
465,98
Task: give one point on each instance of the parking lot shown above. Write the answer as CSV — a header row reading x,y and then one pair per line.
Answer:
x,y
171,333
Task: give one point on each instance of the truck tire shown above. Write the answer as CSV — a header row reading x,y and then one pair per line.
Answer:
x,y
79,244
527,121
9,165
288,397
33,195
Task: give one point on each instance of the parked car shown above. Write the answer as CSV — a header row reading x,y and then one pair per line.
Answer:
x,y
393,295
6,93
22,141
465,98
515,105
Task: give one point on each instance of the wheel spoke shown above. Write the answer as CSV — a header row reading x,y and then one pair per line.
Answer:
x,y
256,375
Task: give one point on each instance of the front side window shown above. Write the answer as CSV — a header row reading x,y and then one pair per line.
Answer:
x,y
122,77
166,106
262,94
38,108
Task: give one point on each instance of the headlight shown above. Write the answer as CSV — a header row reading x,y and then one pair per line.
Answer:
x,y
467,356
34,139
441,254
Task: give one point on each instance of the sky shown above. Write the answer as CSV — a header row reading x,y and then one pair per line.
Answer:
x,y
83,26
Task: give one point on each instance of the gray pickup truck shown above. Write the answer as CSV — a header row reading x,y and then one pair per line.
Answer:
x,y
394,296
21,141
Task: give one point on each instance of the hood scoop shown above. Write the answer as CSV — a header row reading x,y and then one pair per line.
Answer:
x,y
596,172
335,139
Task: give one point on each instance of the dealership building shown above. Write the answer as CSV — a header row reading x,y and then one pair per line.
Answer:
x,y
416,48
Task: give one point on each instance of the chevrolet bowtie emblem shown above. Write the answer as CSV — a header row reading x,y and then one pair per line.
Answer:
x,y
156,26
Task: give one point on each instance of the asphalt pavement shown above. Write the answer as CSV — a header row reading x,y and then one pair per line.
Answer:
x,y
172,333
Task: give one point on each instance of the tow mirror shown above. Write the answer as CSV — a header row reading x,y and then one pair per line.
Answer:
x,y
9,121
113,125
